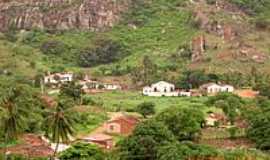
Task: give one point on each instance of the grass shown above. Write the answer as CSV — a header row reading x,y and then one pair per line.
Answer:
x,y
128,100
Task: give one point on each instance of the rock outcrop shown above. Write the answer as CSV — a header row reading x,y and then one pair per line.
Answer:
x,y
60,14
198,48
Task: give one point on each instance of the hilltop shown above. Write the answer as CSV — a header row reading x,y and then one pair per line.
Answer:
x,y
220,37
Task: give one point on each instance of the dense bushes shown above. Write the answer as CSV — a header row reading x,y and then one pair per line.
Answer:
x,y
184,123
106,51
259,8
53,47
83,151
260,129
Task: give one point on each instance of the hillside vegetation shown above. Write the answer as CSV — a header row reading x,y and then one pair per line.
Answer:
x,y
160,29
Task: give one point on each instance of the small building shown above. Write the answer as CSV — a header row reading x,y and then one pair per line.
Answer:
x,y
102,140
108,86
213,88
160,89
57,78
123,125
89,85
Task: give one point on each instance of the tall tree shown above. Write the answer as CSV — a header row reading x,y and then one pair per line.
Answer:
x,y
146,109
60,124
12,119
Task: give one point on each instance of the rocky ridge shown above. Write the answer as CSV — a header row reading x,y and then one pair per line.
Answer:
x,y
60,14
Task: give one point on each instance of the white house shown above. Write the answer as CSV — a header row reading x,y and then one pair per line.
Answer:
x,y
89,84
58,78
160,89
108,86
213,88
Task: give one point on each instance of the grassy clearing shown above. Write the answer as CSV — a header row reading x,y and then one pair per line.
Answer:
x,y
128,100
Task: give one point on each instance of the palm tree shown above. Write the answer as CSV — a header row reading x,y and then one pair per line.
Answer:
x,y
60,125
12,121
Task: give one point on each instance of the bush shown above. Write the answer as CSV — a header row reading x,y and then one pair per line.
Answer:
x,y
106,51
83,151
53,48
87,100
146,109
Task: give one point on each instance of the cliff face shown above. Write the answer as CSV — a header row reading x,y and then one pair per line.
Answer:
x,y
60,14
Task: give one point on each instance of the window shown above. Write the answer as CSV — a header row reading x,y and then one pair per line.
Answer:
x,y
111,127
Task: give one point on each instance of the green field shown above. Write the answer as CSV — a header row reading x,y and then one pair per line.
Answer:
x,y
128,100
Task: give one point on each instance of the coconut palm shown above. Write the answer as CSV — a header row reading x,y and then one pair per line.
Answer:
x,y
60,123
12,121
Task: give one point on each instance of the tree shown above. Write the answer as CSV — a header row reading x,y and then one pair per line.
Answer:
x,y
259,130
264,90
106,51
172,151
12,118
53,48
146,73
185,150
60,123
146,109
144,143
193,79
229,103
72,90
184,123
83,151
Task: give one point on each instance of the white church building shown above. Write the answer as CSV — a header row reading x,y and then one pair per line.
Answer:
x,y
163,89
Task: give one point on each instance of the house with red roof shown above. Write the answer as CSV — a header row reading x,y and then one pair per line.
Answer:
x,y
123,125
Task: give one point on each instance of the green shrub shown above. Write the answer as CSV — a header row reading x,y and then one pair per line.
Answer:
x,y
53,47
106,51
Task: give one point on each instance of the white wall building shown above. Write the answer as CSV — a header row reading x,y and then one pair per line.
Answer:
x,y
160,89
213,88
58,78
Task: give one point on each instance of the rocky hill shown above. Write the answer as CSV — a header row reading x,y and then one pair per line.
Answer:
x,y
60,14
217,36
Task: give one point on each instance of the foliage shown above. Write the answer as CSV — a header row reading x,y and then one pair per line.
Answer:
x,y
82,151
184,123
53,48
259,8
106,51
264,90
144,143
71,90
229,103
60,124
146,72
146,109
193,79
259,130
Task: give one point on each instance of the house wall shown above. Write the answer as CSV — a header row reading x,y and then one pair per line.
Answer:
x,y
163,88
113,128
214,89
162,94
120,127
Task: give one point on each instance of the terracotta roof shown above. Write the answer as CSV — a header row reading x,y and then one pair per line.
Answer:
x,y
33,146
127,118
98,137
